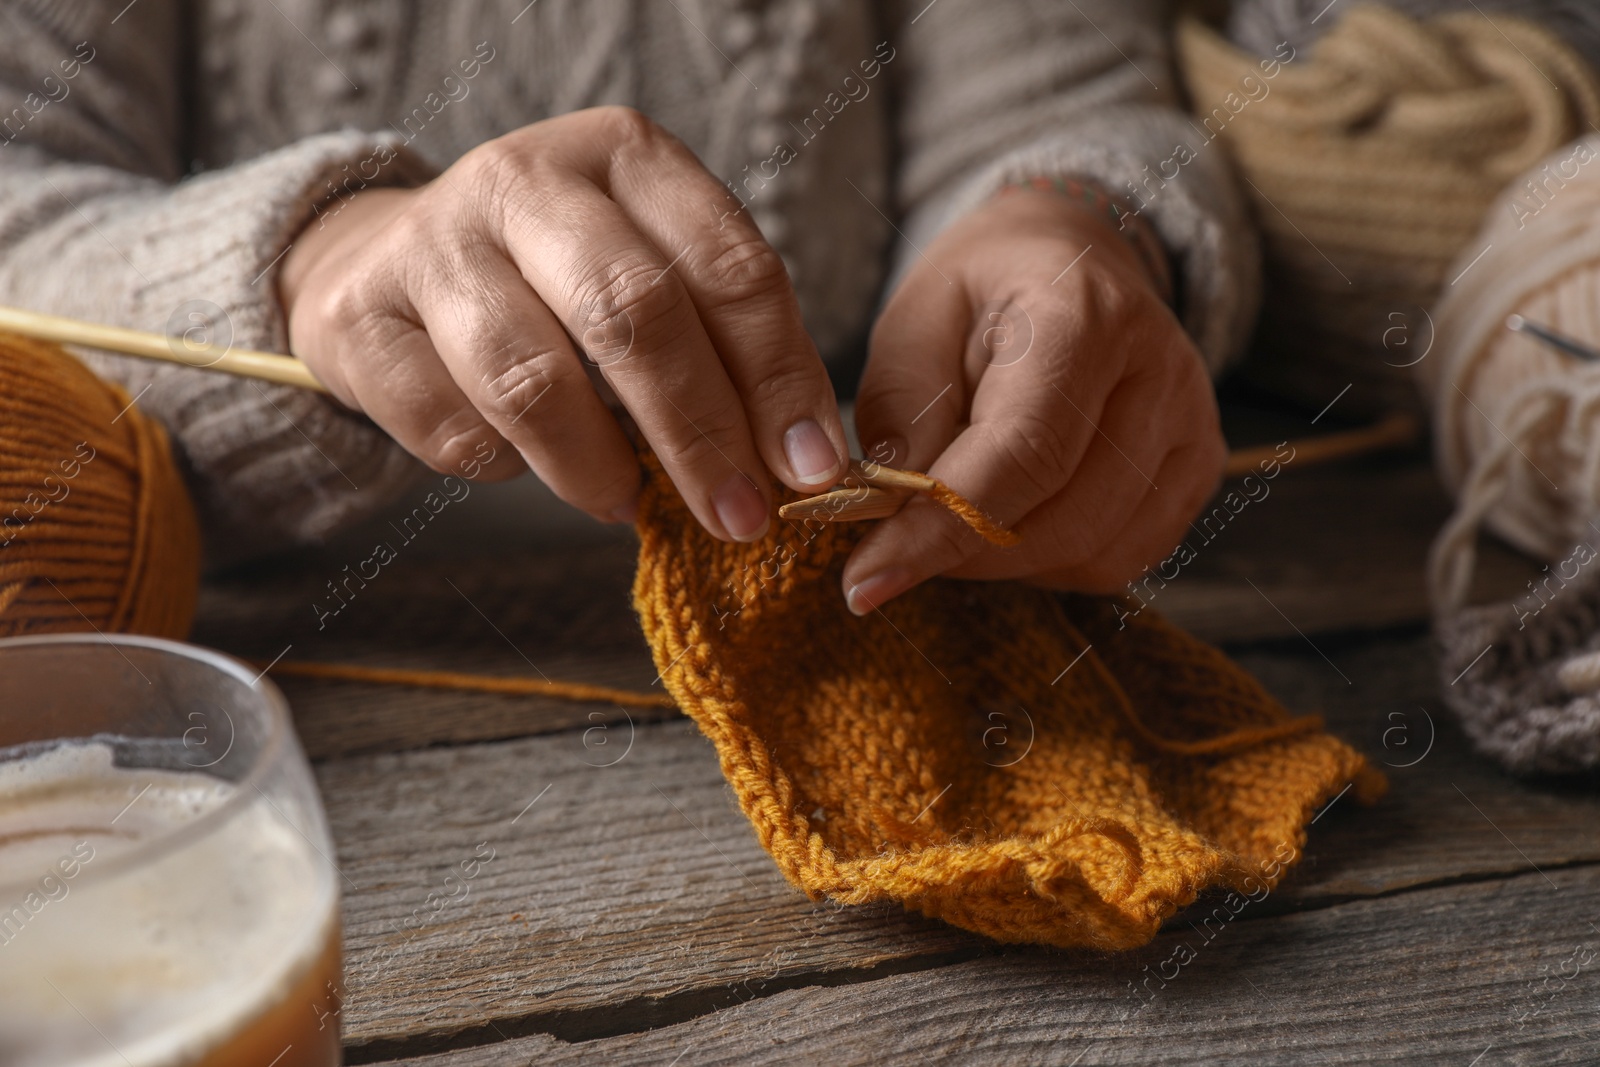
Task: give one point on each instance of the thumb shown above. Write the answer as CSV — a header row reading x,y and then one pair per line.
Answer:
x,y
918,542
925,538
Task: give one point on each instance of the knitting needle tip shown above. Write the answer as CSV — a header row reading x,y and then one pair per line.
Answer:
x,y
846,505
1560,342
870,491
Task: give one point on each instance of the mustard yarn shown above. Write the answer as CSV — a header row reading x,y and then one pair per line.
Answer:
x,y
990,754
97,531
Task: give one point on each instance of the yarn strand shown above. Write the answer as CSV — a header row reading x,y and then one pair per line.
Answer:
x,y
521,686
968,512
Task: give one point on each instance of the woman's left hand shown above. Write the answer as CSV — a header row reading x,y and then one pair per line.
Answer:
x,y
1028,362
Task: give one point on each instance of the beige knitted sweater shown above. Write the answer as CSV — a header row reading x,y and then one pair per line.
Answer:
x,y
157,159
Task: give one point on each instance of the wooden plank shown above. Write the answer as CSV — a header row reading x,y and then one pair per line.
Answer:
x,y
1499,972
347,718
1328,550
635,893
1448,809
646,900
1323,550
621,879
561,613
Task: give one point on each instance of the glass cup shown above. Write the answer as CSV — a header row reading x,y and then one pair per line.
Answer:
x,y
167,887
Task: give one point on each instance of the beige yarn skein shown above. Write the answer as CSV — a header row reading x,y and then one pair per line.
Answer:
x,y
1516,423
1371,159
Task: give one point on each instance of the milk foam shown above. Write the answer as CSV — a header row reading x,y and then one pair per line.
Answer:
x,y
164,958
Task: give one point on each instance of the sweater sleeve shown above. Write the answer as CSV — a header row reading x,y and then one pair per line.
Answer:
x,y
1001,90
98,221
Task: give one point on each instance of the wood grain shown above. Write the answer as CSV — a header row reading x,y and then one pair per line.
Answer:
x,y
633,888
1494,973
632,894
635,894
1448,808
1322,550
1325,551
559,613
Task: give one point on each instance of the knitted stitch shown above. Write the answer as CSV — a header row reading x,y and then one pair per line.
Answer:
x,y
1515,675
991,754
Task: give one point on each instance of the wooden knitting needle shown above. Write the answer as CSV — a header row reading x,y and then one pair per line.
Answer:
x,y
842,505
881,477
872,491
285,370
885,489
880,492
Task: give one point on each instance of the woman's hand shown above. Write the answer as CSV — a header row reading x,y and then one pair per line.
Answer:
x,y
1027,361
448,315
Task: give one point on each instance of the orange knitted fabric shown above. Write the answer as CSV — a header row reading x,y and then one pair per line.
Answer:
x,y
1005,759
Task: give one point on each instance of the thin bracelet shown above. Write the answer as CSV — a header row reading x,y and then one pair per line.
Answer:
x,y
1135,229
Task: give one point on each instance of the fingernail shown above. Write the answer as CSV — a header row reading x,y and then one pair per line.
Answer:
x,y
811,456
627,512
740,509
877,590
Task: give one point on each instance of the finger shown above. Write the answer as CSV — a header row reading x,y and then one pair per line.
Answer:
x,y
513,361
1159,525
1078,522
734,278
399,382
913,396
931,344
741,289
1188,476
613,289
1016,455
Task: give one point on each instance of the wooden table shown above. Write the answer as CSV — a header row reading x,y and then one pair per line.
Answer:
x,y
621,911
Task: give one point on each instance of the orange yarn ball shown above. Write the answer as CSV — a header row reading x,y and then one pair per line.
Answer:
x,y
96,529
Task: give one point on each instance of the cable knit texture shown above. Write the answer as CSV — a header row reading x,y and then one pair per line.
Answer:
x,y
987,753
1522,677
192,144
1371,158
1261,25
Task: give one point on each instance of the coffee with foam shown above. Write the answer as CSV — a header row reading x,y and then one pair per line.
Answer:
x,y
159,916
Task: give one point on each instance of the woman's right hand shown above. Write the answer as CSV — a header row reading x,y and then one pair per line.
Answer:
x,y
447,314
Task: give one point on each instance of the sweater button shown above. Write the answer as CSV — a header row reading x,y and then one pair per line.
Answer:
x,y
329,81
346,29
739,30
